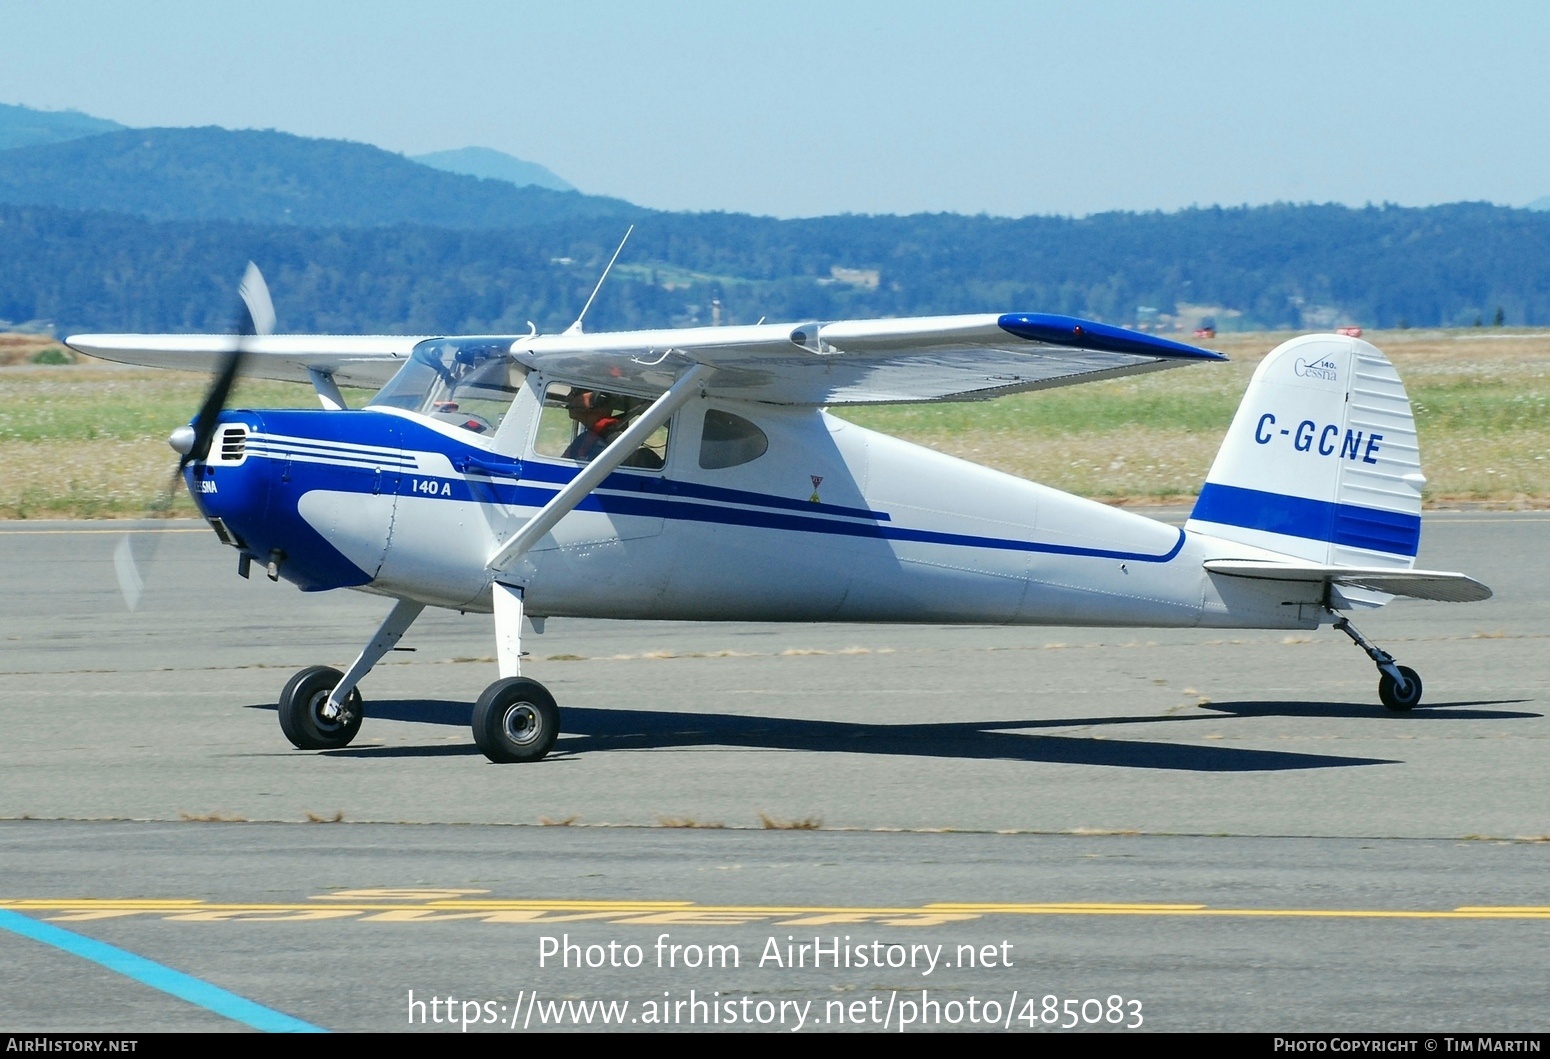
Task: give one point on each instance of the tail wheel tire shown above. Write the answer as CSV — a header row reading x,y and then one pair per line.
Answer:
x,y
301,711
1392,697
516,719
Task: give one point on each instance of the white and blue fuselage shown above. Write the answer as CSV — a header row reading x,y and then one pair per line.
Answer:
x,y
832,523
474,483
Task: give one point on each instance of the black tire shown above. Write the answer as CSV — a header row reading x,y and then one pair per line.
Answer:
x,y
301,706
1389,693
516,720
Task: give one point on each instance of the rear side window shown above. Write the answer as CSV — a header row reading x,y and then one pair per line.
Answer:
x,y
730,440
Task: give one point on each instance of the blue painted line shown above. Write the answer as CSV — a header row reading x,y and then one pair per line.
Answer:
x,y
687,511
294,449
330,447
657,496
537,471
149,972
368,463
727,516
1349,525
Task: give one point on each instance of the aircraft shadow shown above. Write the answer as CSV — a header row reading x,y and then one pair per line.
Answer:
x,y
441,750
589,730
1455,711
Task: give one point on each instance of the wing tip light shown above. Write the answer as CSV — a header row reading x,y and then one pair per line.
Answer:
x,y
1090,334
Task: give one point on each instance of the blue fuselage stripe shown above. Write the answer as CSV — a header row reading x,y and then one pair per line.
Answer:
x,y
533,470
488,478
324,448
157,976
648,507
276,452
1348,525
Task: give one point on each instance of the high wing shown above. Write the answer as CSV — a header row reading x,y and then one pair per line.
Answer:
x,y
1439,585
352,360
937,358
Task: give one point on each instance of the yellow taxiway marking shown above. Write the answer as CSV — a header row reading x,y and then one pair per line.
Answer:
x,y
495,910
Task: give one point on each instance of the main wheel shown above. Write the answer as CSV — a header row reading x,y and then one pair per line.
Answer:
x,y
301,711
516,720
1389,692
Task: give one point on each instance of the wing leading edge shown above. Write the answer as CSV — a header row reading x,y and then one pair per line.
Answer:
x,y
353,360
940,358
892,361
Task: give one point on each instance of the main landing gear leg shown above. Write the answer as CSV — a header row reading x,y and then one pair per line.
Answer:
x,y
516,719
1398,686
320,709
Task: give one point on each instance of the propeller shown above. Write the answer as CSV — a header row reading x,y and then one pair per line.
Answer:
x,y
193,441
259,320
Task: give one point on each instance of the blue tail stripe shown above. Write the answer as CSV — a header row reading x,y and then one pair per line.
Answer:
x,y
1348,525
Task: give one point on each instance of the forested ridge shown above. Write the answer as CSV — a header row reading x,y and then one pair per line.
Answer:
x,y
272,177
149,230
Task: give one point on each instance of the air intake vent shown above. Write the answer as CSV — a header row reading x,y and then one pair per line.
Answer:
x,y
234,444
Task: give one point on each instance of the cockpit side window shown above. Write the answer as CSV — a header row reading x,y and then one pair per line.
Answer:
x,y
578,424
728,440
469,383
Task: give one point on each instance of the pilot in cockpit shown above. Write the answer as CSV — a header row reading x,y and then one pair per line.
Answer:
x,y
601,417
594,413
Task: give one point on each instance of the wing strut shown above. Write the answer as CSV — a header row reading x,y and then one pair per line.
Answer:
x,y
327,389
607,461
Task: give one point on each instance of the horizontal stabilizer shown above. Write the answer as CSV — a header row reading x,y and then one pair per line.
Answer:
x,y
1416,584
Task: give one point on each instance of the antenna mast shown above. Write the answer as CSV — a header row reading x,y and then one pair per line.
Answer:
x,y
575,328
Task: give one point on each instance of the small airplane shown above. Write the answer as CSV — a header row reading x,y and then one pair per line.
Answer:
x,y
700,474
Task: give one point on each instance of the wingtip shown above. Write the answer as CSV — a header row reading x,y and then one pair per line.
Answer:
x,y
1078,333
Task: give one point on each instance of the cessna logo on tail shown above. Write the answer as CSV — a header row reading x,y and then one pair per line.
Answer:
x,y
1318,369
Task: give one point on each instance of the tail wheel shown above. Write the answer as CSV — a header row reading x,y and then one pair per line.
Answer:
x,y
1395,698
516,719
301,711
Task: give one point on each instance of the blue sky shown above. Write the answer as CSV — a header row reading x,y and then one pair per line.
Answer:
x,y
801,109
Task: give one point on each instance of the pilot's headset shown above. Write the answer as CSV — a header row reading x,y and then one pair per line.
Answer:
x,y
594,400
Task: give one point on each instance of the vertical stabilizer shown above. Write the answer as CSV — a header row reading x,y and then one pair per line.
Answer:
x,y
1321,461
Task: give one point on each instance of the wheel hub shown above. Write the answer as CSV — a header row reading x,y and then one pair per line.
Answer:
x,y
324,722
521,723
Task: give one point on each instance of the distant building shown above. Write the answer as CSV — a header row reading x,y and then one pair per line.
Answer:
x,y
855,277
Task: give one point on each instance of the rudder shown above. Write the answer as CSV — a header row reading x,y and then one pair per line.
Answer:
x,y
1321,462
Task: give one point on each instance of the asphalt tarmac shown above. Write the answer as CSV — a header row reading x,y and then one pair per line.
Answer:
x,y
1227,827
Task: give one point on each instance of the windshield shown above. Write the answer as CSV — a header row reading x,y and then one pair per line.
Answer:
x,y
468,382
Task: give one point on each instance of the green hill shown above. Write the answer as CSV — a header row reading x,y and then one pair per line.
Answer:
x,y
26,127
271,177
490,164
